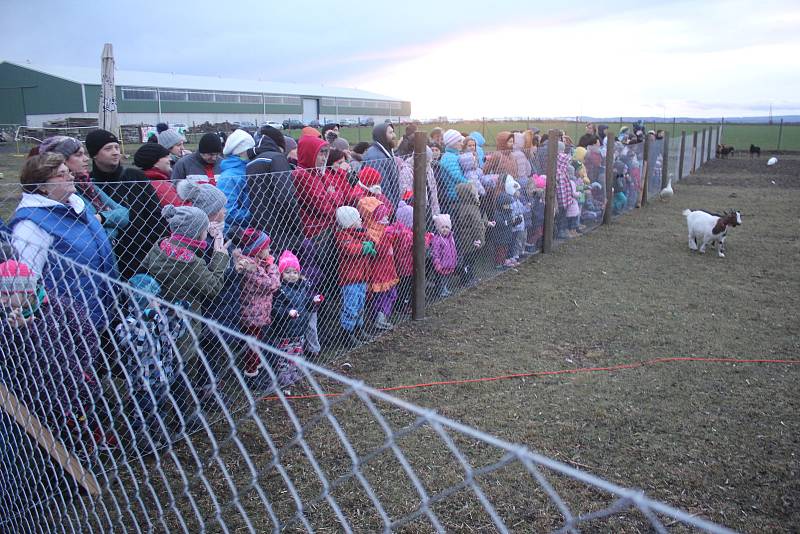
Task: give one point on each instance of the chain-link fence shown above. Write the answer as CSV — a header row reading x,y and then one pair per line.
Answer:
x,y
153,322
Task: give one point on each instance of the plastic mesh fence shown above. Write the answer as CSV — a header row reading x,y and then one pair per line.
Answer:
x,y
146,354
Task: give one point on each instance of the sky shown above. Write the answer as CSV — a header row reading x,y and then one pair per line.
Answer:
x,y
456,59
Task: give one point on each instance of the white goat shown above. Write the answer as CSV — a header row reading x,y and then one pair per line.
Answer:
x,y
710,229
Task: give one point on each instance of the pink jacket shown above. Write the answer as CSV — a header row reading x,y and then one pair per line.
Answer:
x,y
443,253
257,289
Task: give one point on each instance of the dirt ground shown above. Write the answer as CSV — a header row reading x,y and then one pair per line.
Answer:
x,y
719,440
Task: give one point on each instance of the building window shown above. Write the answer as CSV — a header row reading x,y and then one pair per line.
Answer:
x,y
173,96
200,97
272,99
395,105
227,98
250,99
291,100
328,102
138,94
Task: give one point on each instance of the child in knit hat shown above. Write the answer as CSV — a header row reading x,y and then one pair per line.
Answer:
x,y
355,252
383,275
402,229
443,252
50,364
260,281
292,307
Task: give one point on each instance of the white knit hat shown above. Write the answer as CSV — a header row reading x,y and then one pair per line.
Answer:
x,y
239,141
442,220
451,137
348,217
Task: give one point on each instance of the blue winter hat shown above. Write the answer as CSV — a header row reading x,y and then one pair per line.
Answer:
x,y
146,284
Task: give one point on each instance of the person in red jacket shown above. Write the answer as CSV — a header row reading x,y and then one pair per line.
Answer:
x,y
155,161
369,185
403,245
335,177
383,277
355,252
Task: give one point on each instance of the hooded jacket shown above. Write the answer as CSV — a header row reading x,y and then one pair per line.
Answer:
x,y
468,219
501,162
473,173
273,201
354,266
317,206
382,275
164,188
232,181
380,156
479,144
520,158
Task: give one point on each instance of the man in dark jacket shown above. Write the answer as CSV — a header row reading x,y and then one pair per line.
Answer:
x,y
380,156
204,162
131,188
273,205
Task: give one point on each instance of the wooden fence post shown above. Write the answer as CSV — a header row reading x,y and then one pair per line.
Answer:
x,y
780,135
645,172
703,148
694,151
665,161
711,147
550,191
420,209
609,177
683,151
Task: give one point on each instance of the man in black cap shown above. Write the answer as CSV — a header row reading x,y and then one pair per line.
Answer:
x,y
205,161
129,187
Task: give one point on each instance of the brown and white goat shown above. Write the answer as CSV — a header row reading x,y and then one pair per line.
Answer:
x,y
710,229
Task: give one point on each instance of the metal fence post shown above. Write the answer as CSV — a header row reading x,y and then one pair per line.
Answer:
x,y
550,191
703,148
710,149
645,172
420,210
683,150
780,134
694,151
665,161
609,177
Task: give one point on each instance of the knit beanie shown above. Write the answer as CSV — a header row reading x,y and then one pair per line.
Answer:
x,y
308,130
253,241
348,217
210,144
169,138
239,141
148,155
146,284
287,260
440,221
405,214
580,154
370,179
451,137
187,221
274,134
203,196
340,143
289,143
161,126
61,144
97,139
16,277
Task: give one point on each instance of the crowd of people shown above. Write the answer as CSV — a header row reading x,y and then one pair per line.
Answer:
x,y
304,244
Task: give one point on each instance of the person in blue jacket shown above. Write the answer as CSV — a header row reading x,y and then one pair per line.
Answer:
x,y
232,181
479,143
452,173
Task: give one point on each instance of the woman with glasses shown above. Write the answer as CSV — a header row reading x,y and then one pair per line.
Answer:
x,y
52,217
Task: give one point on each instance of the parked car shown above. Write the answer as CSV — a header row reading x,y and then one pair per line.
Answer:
x,y
290,124
276,125
314,123
366,121
343,123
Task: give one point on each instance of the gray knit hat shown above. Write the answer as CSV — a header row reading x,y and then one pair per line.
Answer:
x,y
169,138
204,196
187,221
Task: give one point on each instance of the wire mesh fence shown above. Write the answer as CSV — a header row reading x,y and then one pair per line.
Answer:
x,y
152,328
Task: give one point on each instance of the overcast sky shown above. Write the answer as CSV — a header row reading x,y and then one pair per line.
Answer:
x,y
460,59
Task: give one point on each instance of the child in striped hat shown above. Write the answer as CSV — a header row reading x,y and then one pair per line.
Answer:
x,y
260,280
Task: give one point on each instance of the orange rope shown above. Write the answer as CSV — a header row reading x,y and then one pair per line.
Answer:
x,y
619,367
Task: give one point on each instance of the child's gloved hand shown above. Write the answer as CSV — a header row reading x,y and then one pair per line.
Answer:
x,y
368,248
476,243
294,314
491,224
318,299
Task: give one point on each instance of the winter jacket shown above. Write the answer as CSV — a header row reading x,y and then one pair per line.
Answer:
x,y
257,291
273,202
405,174
337,181
524,168
49,363
164,188
297,296
131,188
192,164
403,238
504,219
176,265
452,172
41,225
469,222
317,206
354,265
232,181
382,275
443,253
479,144
469,164
115,215
381,157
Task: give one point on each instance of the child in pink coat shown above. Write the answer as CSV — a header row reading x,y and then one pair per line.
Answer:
x,y
260,280
443,252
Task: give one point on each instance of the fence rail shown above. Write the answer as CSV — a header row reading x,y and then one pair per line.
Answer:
x,y
159,400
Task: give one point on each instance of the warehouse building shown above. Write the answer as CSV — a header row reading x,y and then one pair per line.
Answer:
x,y
32,95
